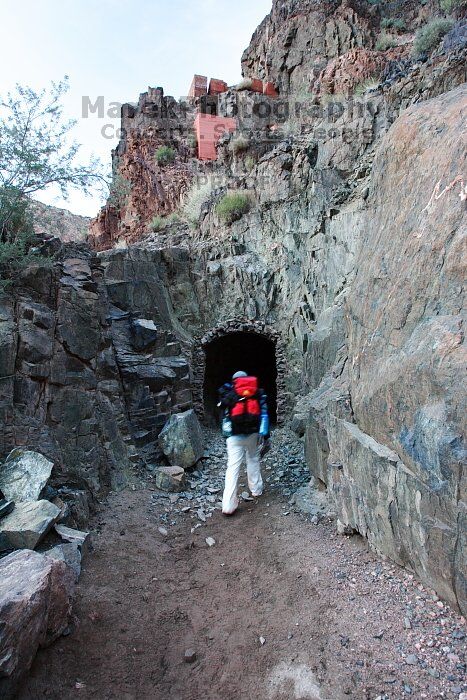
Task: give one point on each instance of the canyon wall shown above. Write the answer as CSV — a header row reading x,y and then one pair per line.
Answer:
x,y
352,250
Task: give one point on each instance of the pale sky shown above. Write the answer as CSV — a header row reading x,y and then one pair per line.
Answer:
x,y
116,49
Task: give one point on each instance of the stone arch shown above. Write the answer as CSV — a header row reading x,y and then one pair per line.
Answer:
x,y
236,327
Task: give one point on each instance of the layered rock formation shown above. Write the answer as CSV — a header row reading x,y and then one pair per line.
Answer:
x,y
350,252
61,223
298,38
388,439
144,187
77,382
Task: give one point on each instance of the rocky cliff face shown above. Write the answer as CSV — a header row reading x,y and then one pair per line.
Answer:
x,y
351,252
61,223
299,38
86,375
388,439
143,187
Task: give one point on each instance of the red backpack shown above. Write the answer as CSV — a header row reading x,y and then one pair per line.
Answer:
x,y
246,411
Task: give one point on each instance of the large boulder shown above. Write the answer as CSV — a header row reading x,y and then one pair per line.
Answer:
x,y
27,525
24,474
181,439
36,594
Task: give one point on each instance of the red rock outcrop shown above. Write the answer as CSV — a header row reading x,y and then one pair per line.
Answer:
x,y
344,73
143,186
293,44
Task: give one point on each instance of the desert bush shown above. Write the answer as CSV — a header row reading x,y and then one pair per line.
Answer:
x,y
165,155
191,141
249,163
157,223
232,206
398,24
385,42
452,5
16,256
239,144
428,37
172,218
120,190
368,84
36,153
244,84
198,194
18,243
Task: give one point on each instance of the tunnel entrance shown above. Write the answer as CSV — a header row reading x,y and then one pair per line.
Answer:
x,y
251,352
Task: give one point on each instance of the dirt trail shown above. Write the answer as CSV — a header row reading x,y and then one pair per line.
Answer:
x,y
332,615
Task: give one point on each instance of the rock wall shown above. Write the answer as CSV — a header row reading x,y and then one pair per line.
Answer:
x,y
90,367
144,187
350,252
294,43
59,377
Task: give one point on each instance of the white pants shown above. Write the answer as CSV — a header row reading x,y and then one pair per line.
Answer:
x,y
238,447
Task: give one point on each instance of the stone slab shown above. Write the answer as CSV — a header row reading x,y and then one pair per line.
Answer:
x,y
27,524
24,474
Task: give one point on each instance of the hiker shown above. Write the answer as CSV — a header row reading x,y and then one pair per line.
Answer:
x,y
245,424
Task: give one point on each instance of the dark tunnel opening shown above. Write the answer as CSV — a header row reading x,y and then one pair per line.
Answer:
x,y
250,352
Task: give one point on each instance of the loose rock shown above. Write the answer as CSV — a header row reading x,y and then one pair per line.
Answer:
x,y
24,474
190,656
170,478
181,439
78,537
69,553
27,525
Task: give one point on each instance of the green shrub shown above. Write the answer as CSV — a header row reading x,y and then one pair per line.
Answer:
x,y
385,42
239,144
198,194
232,206
172,218
17,239
398,24
191,141
428,37
452,5
368,84
165,155
120,190
17,254
157,223
249,163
